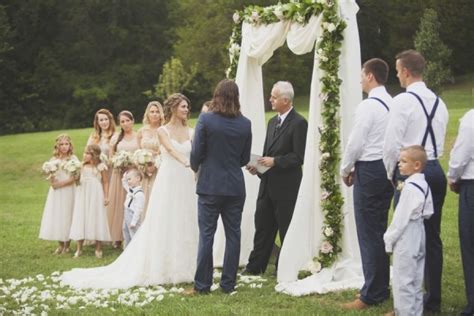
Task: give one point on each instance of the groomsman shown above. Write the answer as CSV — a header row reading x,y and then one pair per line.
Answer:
x,y
419,117
362,166
283,152
461,180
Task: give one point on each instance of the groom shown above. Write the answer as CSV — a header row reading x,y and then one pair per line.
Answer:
x,y
221,147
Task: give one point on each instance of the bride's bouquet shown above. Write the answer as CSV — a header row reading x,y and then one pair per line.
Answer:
x,y
50,167
143,159
121,159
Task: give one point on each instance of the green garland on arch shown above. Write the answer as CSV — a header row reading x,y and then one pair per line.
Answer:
x,y
328,49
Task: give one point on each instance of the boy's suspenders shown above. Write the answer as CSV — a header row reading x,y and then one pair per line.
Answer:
x,y
133,196
424,193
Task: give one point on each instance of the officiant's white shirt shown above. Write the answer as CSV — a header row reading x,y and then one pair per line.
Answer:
x,y
461,161
407,125
284,115
367,136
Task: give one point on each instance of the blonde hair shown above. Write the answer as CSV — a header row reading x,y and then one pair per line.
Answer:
x,y
60,137
416,153
172,103
94,151
135,172
97,133
146,120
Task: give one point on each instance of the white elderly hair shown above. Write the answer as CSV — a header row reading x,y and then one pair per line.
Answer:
x,y
285,88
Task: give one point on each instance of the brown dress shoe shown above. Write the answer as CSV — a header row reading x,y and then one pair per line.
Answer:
x,y
356,304
190,292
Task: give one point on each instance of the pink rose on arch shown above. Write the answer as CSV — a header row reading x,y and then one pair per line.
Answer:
x,y
326,247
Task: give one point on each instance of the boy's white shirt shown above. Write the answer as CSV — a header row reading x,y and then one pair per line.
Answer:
x,y
411,206
138,203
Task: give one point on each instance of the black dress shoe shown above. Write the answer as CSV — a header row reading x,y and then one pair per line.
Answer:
x,y
248,272
227,291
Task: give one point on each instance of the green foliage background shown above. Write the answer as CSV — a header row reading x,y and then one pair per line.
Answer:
x,y
60,61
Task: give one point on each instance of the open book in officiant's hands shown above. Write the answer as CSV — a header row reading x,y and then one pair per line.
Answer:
x,y
255,164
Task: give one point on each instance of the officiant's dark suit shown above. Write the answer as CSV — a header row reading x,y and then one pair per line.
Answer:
x,y
221,147
284,151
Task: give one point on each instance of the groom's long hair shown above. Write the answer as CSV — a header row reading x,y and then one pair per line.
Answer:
x,y
226,99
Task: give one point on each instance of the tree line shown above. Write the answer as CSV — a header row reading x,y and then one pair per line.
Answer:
x,y
60,61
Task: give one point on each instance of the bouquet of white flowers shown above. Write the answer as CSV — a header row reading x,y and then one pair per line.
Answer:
x,y
144,160
104,161
121,159
50,167
73,167
141,157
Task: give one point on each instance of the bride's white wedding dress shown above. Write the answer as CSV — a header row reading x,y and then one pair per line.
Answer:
x,y
164,249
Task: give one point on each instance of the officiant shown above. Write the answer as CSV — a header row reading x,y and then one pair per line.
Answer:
x,y
283,154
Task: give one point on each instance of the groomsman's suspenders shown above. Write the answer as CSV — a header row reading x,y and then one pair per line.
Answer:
x,y
381,102
133,196
429,127
424,193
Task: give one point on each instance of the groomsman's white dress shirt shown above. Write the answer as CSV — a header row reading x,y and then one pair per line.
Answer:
x,y
461,162
408,123
367,136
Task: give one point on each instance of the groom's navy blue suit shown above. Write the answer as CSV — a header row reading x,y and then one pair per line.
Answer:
x,y
221,147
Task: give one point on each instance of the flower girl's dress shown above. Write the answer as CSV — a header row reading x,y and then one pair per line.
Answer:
x,y
89,219
57,214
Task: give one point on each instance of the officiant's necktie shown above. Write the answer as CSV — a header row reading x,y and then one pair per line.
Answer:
x,y
277,127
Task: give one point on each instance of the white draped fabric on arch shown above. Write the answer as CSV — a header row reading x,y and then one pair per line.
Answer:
x,y
304,236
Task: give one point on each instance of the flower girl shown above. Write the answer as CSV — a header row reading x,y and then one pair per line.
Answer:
x,y
90,215
58,209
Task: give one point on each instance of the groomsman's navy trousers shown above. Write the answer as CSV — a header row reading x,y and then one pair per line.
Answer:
x,y
372,196
436,179
466,236
230,209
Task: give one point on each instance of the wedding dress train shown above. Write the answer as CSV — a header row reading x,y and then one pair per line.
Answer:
x,y
164,250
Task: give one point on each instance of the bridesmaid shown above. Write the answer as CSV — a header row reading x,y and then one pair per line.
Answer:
x,y
148,139
104,130
126,140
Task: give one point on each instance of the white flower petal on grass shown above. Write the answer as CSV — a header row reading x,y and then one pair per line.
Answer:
x,y
160,298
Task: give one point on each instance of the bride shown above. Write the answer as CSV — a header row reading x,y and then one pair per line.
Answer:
x,y
164,249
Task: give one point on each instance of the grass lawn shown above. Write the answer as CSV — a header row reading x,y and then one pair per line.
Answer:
x,y
23,191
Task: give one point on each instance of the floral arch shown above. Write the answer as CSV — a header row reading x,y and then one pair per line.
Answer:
x,y
322,236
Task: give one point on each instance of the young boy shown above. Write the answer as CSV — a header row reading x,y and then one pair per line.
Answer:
x,y
134,203
405,236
